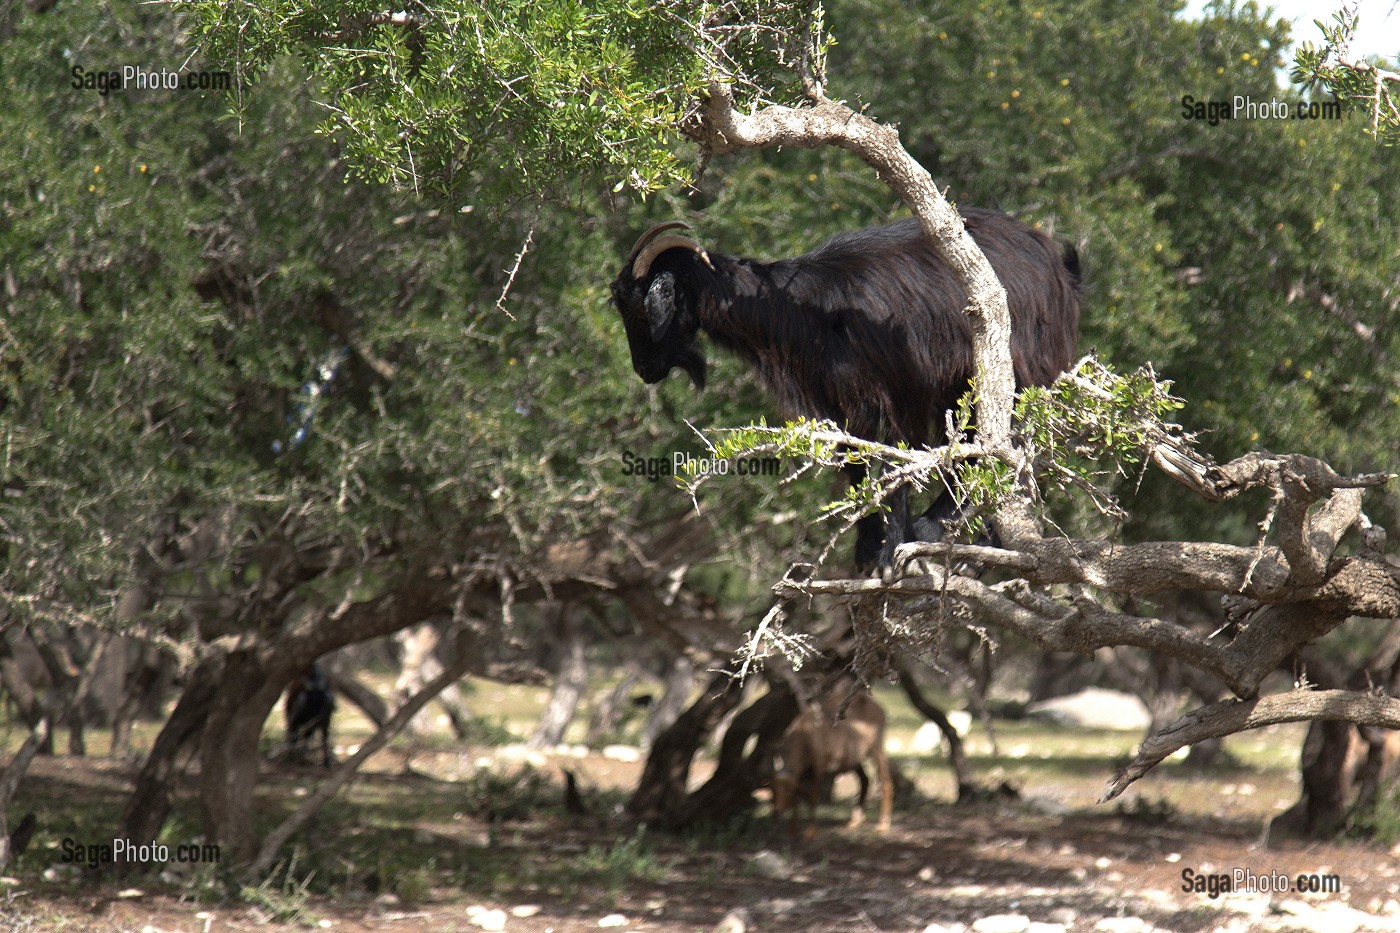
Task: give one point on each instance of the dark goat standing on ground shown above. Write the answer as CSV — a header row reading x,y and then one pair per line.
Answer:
x,y
868,331
309,706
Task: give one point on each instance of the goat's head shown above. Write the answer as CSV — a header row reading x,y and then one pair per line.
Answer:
x,y
656,293
784,787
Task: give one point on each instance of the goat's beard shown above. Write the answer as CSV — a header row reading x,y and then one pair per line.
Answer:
x,y
693,362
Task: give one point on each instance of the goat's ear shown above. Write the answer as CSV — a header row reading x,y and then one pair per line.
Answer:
x,y
661,304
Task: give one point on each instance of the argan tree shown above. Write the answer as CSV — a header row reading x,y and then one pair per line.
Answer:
x,y
470,111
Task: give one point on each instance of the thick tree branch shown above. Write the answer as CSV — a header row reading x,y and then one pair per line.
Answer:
x,y
1232,716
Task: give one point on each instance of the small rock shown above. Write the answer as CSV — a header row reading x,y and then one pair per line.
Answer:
x,y
520,752
524,910
1002,923
736,921
1391,908
1046,806
928,873
1095,708
613,920
494,920
769,864
1065,916
1121,925
1337,918
779,905
961,721
1102,862
628,753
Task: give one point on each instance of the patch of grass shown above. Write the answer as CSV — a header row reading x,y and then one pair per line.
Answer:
x,y
285,902
1382,822
611,868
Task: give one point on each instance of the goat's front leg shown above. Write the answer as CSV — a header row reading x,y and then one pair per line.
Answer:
x,y
870,529
897,530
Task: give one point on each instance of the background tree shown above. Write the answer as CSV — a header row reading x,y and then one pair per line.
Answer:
x,y
251,417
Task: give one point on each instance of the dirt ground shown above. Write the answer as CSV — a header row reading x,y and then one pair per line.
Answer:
x,y
1037,864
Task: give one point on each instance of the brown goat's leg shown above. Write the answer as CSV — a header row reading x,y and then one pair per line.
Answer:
x,y
858,811
886,790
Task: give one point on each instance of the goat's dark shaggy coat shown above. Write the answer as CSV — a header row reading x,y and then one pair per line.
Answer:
x,y
868,330
309,706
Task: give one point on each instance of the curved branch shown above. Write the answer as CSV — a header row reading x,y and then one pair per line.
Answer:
x,y
721,128
465,653
1232,716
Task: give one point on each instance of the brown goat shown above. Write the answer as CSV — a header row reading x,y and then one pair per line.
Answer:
x,y
815,750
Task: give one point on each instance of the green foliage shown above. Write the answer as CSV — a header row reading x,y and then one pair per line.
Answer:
x,y
1260,287
621,863
473,102
1094,425
1090,428
1380,821
201,323
1366,85
176,281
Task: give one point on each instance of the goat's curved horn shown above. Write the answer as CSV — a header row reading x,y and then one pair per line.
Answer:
x,y
642,264
653,233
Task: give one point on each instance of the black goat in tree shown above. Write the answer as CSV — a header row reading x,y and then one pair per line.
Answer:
x,y
868,331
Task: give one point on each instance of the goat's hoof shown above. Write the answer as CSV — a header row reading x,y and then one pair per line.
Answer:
x,y
882,828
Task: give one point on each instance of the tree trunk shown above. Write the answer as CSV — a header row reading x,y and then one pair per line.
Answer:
x,y
661,792
369,702
570,681
610,707
17,685
149,804
143,679
1332,754
680,683
1346,769
10,778
961,774
729,791
229,753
